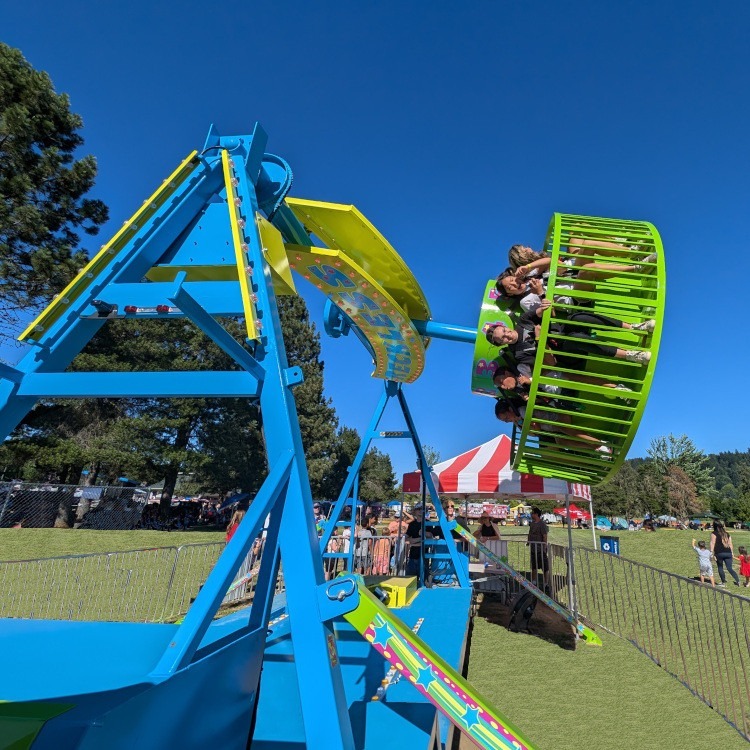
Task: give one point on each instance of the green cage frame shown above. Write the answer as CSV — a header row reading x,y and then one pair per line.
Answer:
x,y
596,410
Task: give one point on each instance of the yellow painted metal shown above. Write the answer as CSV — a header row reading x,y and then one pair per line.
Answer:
x,y
400,590
219,272
106,255
244,271
398,347
275,252
343,227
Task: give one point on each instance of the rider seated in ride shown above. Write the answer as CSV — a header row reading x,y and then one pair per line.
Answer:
x,y
527,283
514,412
522,340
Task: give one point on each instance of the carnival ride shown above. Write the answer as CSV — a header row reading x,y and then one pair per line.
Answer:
x,y
220,239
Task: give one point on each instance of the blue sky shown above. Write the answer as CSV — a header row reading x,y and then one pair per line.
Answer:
x,y
458,129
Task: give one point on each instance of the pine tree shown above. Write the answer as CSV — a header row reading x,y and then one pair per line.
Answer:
x,y
317,417
42,189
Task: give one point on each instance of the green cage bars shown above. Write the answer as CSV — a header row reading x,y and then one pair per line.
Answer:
x,y
593,407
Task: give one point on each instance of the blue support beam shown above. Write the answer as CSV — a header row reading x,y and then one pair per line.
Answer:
x,y
217,298
447,331
196,384
214,331
187,639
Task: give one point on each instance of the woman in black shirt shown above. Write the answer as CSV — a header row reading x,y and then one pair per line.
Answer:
x,y
721,546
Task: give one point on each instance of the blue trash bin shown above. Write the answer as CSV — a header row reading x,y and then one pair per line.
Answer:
x,y
610,544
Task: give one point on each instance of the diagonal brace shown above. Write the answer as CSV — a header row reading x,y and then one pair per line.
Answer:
x,y
188,637
188,304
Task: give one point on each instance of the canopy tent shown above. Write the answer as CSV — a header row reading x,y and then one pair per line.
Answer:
x,y
486,471
573,512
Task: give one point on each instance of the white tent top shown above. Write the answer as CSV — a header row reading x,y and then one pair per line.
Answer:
x,y
486,471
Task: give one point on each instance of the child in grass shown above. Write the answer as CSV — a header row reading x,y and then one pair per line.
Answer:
x,y
704,562
744,561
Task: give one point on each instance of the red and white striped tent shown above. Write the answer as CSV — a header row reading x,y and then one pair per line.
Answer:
x,y
486,471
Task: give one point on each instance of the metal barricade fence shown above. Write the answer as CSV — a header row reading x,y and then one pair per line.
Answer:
x,y
379,555
147,585
697,633
520,557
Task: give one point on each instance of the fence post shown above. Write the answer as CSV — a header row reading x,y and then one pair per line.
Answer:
x,y
572,598
169,583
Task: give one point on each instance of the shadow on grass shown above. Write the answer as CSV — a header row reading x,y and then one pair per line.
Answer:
x,y
544,623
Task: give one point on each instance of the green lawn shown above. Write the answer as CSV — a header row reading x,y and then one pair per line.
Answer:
x,y
597,698
667,549
610,698
30,544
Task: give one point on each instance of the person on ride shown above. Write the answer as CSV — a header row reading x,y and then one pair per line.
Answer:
x,y
520,256
514,412
522,341
519,384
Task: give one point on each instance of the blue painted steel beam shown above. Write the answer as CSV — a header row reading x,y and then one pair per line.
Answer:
x,y
187,639
216,332
461,570
446,331
196,384
320,683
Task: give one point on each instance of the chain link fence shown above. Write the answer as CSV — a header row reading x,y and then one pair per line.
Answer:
x,y
44,506
697,633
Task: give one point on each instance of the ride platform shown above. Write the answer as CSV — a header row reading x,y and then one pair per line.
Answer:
x,y
403,718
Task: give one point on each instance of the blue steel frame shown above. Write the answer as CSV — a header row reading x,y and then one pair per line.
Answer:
x,y
260,181
264,375
349,493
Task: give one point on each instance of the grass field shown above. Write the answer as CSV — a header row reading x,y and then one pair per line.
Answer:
x,y
610,698
591,698
667,549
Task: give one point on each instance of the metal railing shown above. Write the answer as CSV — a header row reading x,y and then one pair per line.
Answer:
x,y
697,633
147,585
379,555
520,555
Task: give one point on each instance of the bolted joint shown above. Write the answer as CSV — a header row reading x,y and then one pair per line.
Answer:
x,y
293,376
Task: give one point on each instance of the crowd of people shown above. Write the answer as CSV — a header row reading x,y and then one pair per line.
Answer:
x,y
576,333
721,549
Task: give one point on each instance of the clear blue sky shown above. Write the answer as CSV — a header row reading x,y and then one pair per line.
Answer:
x,y
457,128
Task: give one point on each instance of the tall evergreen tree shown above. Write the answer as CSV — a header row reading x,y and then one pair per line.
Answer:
x,y
377,481
317,417
42,190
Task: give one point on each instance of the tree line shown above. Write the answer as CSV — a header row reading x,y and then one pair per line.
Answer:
x,y
677,479
44,208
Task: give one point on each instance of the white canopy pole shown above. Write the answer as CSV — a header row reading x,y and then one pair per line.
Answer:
x,y
593,524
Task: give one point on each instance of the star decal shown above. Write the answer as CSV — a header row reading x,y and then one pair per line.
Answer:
x,y
382,634
471,717
425,678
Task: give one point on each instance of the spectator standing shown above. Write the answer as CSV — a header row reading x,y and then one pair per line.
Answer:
x,y
744,561
537,542
363,547
235,521
721,547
